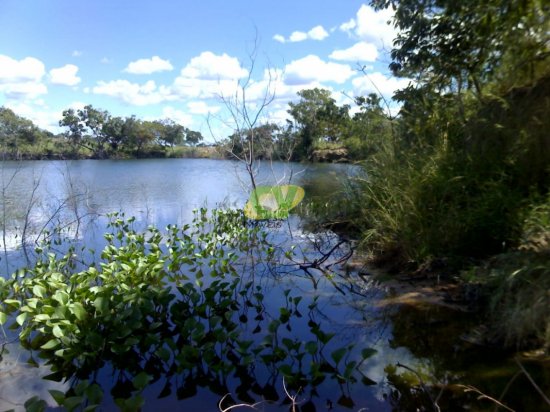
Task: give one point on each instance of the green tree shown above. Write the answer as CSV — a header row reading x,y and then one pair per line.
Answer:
x,y
20,137
192,137
86,128
370,127
317,119
458,45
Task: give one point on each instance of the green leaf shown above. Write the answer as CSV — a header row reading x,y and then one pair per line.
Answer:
x,y
58,396
39,291
311,347
51,344
57,331
12,302
141,380
73,402
3,318
94,393
78,310
101,304
368,352
338,354
20,319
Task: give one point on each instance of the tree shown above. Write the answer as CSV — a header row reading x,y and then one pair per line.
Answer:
x,y
192,137
114,132
456,45
318,118
87,121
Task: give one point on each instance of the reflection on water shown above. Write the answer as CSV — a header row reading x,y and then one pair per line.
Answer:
x,y
20,381
76,195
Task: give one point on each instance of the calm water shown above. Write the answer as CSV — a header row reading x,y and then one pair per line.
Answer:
x,y
161,192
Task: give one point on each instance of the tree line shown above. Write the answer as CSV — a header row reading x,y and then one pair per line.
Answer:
x,y
316,123
92,133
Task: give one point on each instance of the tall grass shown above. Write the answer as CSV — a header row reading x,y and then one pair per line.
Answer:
x,y
458,182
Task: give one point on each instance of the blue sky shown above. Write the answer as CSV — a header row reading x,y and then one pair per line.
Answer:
x,y
173,59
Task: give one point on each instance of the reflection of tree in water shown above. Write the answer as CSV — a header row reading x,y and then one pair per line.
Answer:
x,y
446,364
173,311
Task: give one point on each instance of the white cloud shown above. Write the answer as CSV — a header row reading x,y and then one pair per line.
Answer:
x,y
28,69
311,68
40,116
297,36
317,33
180,117
372,26
387,85
23,91
105,60
348,26
209,66
185,87
65,75
21,79
359,52
133,93
76,53
148,66
200,107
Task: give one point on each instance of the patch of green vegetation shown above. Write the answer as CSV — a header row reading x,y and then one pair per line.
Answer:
x,y
177,307
467,162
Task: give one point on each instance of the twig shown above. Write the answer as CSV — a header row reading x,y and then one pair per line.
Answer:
x,y
239,405
292,398
424,388
469,388
538,389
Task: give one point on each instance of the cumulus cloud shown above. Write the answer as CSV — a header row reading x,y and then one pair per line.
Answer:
x,y
21,79
372,26
311,68
25,70
178,116
317,33
297,36
133,93
39,115
148,66
65,75
348,26
209,66
201,107
359,52
387,85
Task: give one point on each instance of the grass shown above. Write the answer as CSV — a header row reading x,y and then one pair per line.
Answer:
x,y
468,182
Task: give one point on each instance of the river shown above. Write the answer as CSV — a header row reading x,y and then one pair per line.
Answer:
x,y
394,352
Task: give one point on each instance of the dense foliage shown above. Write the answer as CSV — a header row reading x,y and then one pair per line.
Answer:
x,y
93,133
185,308
468,165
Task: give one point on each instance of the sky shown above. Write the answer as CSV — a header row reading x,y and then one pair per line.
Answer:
x,y
177,59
